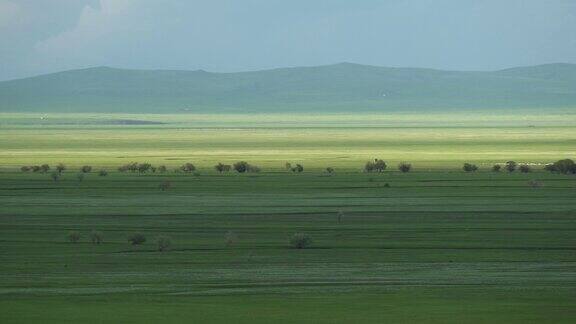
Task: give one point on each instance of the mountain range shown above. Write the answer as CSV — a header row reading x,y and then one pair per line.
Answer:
x,y
343,87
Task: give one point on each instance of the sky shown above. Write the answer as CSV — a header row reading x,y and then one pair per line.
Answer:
x,y
44,36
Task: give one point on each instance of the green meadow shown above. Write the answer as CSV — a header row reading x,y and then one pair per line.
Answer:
x,y
435,245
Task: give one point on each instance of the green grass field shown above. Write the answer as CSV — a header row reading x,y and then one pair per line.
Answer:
x,y
436,245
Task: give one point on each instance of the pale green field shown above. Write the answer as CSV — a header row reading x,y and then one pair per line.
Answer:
x,y
339,140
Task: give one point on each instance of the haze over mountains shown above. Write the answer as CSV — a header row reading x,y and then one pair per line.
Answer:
x,y
341,87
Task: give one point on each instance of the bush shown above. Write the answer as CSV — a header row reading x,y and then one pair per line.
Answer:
x,y
470,167
188,167
564,166
74,236
404,167
86,169
298,168
162,169
137,239
25,168
103,173
329,170
288,166
511,166
164,243
144,167
300,241
96,237
525,168
496,168
36,168
130,167
375,166
45,168
243,166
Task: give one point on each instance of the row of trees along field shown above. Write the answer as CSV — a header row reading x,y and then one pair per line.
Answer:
x,y
164,243
565,166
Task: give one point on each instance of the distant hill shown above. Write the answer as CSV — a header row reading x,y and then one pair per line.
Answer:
x,y
340,87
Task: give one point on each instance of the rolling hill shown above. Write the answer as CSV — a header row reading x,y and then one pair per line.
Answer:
x,y
335,88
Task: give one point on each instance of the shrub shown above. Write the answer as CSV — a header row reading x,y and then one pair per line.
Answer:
x,y
188,167
130,167
525,168
288,166
230,238
60,168
511,166
164,243
564,166
329,170
144,167
55,176
165,185
74,236
45,168
162,169
404,167
300,241
243,166
103,173
86,169
36,168
96,237
137,239
375,166
25,168
470,167
496,168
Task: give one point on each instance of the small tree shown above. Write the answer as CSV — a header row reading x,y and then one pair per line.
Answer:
x,y
222,167
288,166
379,165
230,238
300,241
25,168
74,236
45,168
188,167
144,167
511,166
86,169
96,237
369,166
36,168
164,243
404,167
60,168
470,167
137,239
496,168
102,173
329,170
524,168
162,169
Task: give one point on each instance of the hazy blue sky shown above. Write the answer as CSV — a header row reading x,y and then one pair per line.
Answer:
x,y
39,36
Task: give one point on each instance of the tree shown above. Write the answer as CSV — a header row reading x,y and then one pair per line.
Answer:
x,y
130,167
144,167
25,168
96,237
379,165
369,166
298,168
404,167
496,168
36,168
329,170
137,239
164,243
45,168
188,167
103,173
86,169
60,168
564,166
162,169
288,166
300,241
524,168
470,167
510,166
222,167
74,236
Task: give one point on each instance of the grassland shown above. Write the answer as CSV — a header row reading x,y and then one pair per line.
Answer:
x,y
436,245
